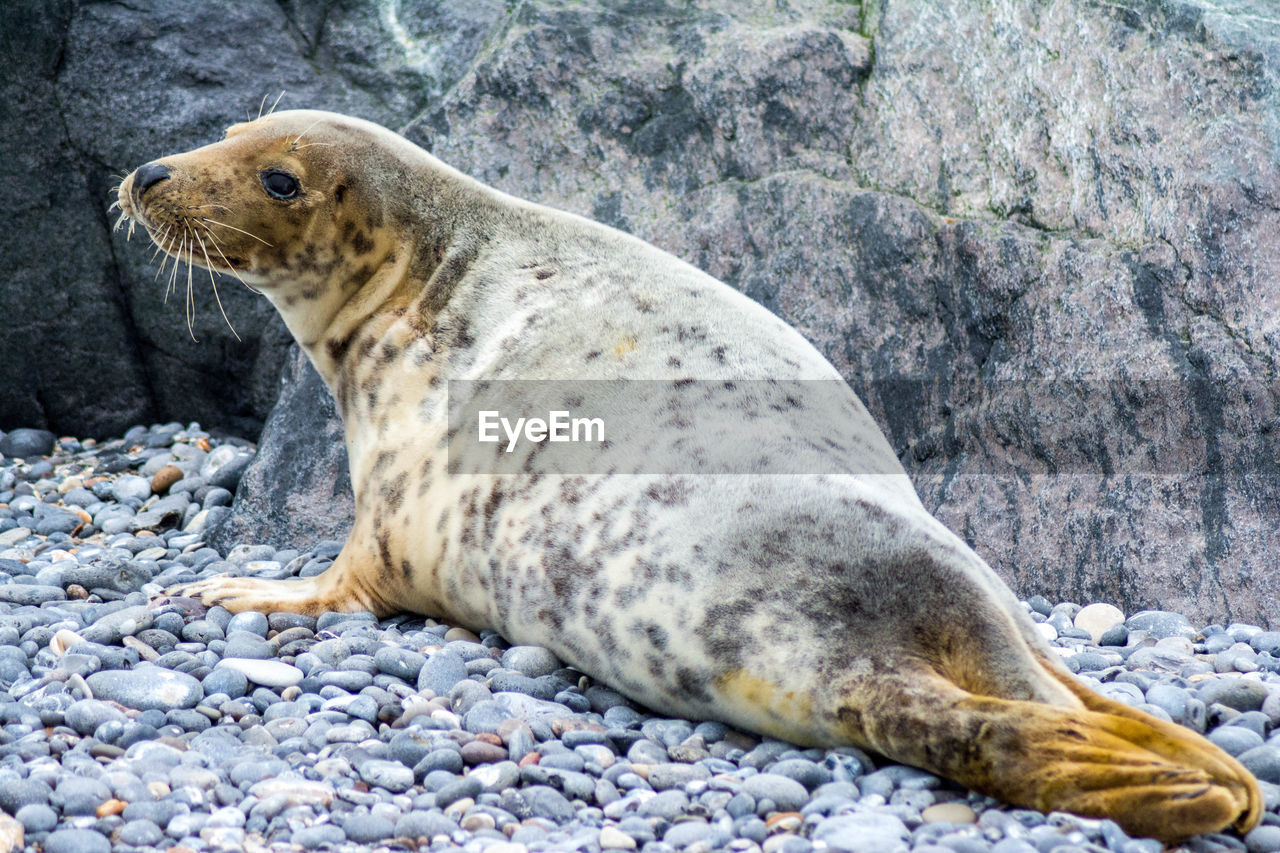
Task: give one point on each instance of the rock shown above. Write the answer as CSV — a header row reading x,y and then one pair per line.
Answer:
x,y
298,485
145,687
1263,762
1098,619
531,661
164,479
954,812
859,832
131,487
76,841
1242,694
268,673
1161,624
24,443
440,672
787,794
392,775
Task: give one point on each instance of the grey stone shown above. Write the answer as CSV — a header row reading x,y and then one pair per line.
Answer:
x,y
367,828
37,817
76,841
26,443
392,775
530,661
1161,624
147,687
867,831
787,794
441,671
1242,694
1263,762
424,824
1234,740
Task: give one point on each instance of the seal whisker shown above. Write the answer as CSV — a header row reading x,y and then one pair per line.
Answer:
x,y
276,102
233,228
214,242
216,297
261,104
191,297
298,138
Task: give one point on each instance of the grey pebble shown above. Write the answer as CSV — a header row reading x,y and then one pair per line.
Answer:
x,y
140,833
441,671
147,686
531,661
37,817
866,831
1263,839
1263,762
76,841
392,775
1234,740
424,824
367,828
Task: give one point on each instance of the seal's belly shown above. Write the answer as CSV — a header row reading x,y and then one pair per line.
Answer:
x,y
698,596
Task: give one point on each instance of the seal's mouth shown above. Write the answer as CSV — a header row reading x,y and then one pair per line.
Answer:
x,y
184,233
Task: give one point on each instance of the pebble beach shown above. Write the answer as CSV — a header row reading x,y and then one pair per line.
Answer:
x,y
136,722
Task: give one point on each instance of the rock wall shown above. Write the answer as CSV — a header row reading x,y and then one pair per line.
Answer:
x,y
1039,239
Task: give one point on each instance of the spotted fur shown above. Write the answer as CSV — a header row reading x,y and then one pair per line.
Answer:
x,y
824,608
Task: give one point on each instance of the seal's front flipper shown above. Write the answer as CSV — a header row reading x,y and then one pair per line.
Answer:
x,y
1152,778
337,588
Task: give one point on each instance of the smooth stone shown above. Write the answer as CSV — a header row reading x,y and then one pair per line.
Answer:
x,y
954,812
1161,623
1263,762
268,673
1242,694
146,687
861,832
27,443
787,794
531,661
76,841
37,817
131,487
441,671
392,775
1097,619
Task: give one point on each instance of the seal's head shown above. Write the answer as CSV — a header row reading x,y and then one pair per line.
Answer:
x,y
294,203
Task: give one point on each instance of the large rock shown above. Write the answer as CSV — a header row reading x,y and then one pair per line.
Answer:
x,y
1039,241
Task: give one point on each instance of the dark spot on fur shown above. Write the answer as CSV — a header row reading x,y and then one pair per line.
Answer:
x,y
339,193
594,354
542,275
405,569
718,354
361,243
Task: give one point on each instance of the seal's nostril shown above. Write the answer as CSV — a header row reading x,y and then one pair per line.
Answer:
x,y
148,175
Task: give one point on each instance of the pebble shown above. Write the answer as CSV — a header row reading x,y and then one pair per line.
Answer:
x,y
147,686
1098,619
268,673
206,730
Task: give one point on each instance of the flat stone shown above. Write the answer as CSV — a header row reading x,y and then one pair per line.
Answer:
x,y
147,687
948,813
268,673
1098,619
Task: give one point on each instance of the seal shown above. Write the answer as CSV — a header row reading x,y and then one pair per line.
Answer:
x,y
823,608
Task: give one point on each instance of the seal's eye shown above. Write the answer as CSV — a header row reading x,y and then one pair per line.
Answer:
x,y
279,185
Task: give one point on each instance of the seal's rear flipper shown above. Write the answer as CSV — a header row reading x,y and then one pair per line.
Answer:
x,y
1104,760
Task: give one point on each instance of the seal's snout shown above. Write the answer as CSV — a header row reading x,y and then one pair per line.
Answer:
x,y
148,175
